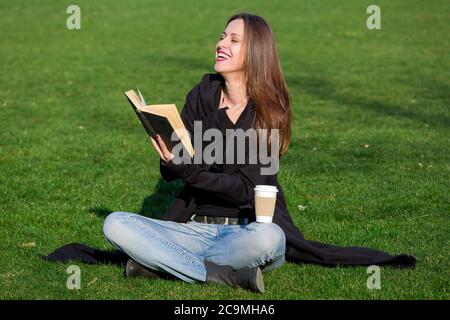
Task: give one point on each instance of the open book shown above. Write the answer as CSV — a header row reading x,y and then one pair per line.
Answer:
x,y
161,119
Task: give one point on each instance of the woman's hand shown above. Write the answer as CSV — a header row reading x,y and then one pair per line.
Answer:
x,y
161,148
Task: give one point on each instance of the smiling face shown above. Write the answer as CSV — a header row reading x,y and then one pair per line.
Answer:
x,y
230,48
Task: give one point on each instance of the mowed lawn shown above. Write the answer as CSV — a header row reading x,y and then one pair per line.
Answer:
x,y
369,158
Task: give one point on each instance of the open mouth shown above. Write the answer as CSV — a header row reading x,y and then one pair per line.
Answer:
x,y
222,56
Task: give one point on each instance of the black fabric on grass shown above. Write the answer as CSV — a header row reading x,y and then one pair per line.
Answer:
x,y
227,189
85,254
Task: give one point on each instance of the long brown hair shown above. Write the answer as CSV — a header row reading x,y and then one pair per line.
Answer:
x,y
264,79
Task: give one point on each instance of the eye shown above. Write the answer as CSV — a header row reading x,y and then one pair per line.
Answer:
x,y
234,41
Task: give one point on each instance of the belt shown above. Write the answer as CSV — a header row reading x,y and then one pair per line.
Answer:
x,y
218,220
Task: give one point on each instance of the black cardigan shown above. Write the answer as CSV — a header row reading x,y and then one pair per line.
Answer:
x,y
232,185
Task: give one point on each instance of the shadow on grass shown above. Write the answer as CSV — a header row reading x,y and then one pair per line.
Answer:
x,y
100,211
323,155
154,205
325,90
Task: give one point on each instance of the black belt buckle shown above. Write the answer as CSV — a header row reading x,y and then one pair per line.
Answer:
x,y
219,220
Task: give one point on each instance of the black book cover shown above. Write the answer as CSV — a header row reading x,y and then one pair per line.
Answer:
x,y
162,127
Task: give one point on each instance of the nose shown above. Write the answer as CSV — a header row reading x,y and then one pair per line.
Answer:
x,y
220,44
221,47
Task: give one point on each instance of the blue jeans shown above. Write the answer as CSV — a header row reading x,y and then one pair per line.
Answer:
x,y
181,248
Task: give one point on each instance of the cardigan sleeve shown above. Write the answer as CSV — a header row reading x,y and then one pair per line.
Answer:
x,y
236,188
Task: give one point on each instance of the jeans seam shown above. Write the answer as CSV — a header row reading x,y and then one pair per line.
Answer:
x,y
179,249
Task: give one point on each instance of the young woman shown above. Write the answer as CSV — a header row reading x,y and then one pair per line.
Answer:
x,y
209,234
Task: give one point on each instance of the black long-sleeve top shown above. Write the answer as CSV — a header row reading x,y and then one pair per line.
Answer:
x,y
227,189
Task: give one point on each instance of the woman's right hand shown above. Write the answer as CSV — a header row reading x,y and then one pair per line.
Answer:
x,y
161,148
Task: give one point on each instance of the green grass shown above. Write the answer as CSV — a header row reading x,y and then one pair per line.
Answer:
x,y
370,154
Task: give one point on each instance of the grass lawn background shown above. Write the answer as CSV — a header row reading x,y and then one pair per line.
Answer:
x,y
369,158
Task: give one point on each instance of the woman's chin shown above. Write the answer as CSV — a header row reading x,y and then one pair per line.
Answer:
x,y
223,69
219,68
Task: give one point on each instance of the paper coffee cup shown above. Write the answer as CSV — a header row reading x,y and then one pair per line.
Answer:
x,y
265,200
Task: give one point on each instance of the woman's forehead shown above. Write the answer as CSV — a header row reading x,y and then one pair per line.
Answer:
x,y
235,27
